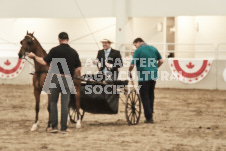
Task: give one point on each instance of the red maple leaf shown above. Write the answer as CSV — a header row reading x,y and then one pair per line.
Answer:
x,y
190,65
7,62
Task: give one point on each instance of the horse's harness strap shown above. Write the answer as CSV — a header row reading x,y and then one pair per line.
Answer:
x,y
40,72
33,38
63,75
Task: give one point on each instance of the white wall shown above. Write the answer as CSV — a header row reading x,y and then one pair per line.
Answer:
x,y
146,28
46,31
205,32
212,29
184,34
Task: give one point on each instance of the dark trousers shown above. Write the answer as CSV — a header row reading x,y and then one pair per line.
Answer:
x,y
54,95
147,97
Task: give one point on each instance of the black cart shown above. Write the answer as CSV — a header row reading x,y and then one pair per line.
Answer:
x,y
102,97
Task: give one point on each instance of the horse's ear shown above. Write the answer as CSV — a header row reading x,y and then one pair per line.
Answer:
x,y
27,32
32,34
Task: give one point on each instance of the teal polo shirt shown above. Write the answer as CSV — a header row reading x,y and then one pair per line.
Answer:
x,y
145,59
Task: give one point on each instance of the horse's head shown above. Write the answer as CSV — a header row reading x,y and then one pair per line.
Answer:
x,y
27,45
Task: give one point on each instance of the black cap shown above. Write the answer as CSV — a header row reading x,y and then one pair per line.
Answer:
x,y
63,35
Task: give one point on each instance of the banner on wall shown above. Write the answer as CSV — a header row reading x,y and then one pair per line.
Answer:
x,y
10,67
190,70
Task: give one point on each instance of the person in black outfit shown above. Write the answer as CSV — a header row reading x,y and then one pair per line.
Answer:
x,y
109,59
74,65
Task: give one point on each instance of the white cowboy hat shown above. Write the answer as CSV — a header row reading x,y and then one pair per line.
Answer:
x,y
106,40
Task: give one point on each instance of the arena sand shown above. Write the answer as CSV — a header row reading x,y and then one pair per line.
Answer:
x,y
184,120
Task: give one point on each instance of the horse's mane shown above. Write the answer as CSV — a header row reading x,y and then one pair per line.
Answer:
x,y
38,44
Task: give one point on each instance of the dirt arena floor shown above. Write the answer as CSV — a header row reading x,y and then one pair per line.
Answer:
x,y
184,120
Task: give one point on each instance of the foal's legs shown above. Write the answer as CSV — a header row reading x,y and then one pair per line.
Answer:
x,y
77,102
37,93
37,98
77,84
78,124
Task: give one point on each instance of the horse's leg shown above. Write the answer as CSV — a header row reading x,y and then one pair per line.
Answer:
x,y
69,106
77,101
37,93
77,96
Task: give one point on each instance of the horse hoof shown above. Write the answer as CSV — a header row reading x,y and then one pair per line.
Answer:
x,y
34,127
78,124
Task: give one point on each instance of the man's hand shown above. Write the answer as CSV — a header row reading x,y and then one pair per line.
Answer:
x,y
38,59
108,65
95,62
131,67
31,55
130,70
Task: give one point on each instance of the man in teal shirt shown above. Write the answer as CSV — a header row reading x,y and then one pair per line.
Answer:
x,y
147,59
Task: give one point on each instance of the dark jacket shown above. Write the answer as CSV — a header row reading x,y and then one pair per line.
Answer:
x,y
114,58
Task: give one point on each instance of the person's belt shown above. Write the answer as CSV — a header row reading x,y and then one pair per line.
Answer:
x,y
63,75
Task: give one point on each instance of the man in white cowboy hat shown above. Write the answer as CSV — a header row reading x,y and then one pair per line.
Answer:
x,y
109,59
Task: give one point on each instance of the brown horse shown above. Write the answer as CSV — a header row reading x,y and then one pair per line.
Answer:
x,y
31,44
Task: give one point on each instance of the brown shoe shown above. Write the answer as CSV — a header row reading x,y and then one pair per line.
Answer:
x,y
52,130
65,131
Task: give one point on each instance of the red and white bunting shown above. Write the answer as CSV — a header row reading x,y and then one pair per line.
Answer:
x,y
10,67
190,70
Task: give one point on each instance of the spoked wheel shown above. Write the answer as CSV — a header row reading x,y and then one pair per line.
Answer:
x,y
133,107
73,114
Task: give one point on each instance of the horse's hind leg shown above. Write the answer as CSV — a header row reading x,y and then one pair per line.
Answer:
x,y
77,100
37,93
77,84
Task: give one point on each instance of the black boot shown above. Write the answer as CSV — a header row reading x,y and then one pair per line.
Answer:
x,y
149,121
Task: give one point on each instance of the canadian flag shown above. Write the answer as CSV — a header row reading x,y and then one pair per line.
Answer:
x,y
10,67
190,70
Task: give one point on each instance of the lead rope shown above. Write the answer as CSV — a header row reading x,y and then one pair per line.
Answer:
x,y
29,62
34,68
24,57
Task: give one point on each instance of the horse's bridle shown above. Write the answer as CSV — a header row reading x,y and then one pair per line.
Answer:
x,y
27,49
32,38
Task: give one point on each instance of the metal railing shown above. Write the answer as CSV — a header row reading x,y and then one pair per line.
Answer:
x,y
185,50
181,50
